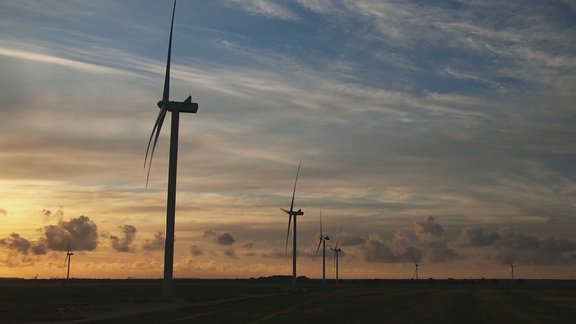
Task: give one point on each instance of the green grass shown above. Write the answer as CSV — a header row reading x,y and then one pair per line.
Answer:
x,y
264,302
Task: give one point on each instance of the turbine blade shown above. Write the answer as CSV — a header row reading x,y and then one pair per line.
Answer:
x,y
288,232
321,233
157,128
152,136
285,210
166,94
294,191
319,242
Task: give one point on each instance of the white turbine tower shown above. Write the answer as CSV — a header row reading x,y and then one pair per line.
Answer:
x,y
165,105
291,213
322,240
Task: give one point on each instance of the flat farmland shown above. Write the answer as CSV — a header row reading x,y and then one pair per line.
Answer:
x,y
261,301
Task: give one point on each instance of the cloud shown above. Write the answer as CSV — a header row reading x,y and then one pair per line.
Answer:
x,y
229,252
509,239
80,232
265,8
49,214
220,238
196,250
347,239
124,242
55,60
21,245
476,236
3,212
426,242
428,226
375,249
156,243
277,253
16,242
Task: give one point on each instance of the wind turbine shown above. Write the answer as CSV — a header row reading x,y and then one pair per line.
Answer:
x,y
322,240
165,105
511,267
337,251
68,259
291,213
416,265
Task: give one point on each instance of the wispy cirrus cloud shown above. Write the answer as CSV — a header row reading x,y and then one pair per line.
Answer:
x,y
265,8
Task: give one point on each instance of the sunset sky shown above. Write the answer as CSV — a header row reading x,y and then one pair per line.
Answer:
x,y
442,131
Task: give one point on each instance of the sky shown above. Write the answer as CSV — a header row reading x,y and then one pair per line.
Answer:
x,y
438,132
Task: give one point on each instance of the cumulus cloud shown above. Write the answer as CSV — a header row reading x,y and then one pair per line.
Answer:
x,y
347,239
375,249
426,242
16,242
21,245
123,243
220,238
428,226
509,239
196,250
80,232
156,243
476,236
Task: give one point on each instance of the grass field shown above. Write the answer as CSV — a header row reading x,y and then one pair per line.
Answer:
x,y
254,301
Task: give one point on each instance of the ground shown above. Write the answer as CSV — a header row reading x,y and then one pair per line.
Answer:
x,y
274,301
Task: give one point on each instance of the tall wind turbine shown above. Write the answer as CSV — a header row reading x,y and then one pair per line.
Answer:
x,y
512,265
322,240
291,213
68,259
337,251
165,105
416,265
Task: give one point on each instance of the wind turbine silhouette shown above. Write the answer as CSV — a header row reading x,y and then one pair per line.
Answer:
x,y
337,251
68,259
322,240
416,265
511,267
165,105
291,213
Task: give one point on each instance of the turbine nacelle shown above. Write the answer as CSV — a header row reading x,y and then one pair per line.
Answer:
x,y
298,212
186,106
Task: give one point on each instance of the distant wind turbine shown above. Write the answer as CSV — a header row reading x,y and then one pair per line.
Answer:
x,y
512,265
416,265
322,240
68,259
291,213
165,105
337,251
